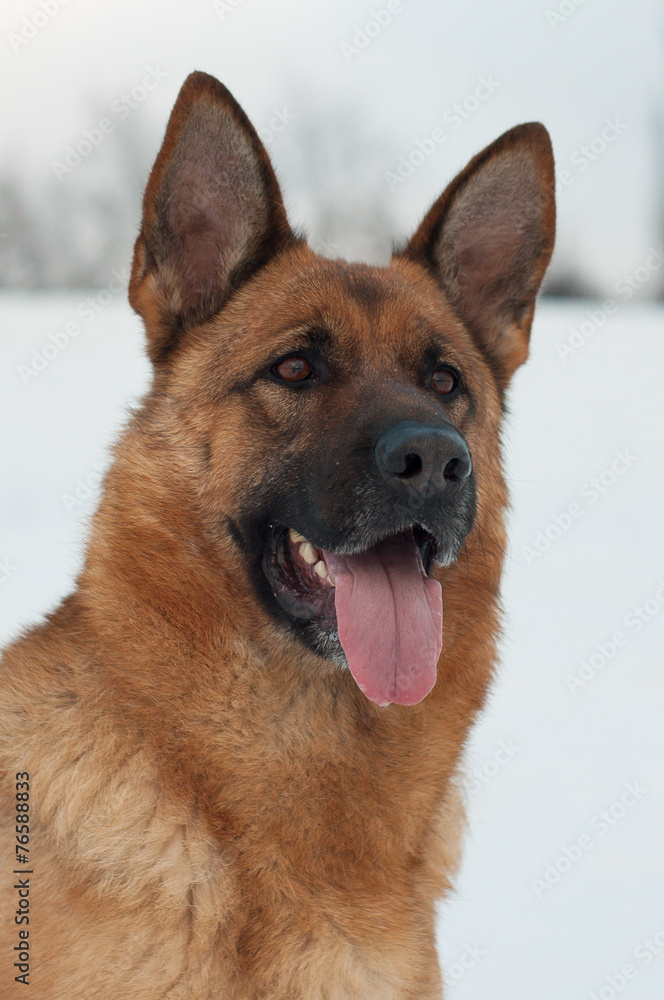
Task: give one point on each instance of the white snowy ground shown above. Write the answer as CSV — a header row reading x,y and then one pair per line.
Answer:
x,y
561,894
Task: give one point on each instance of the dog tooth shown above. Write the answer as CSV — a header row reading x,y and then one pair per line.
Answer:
x,y
321,569
295,536
308,553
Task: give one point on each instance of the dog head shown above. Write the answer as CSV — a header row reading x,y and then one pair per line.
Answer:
x,y
337,424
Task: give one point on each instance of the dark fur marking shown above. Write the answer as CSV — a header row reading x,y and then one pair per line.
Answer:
x,y
363,286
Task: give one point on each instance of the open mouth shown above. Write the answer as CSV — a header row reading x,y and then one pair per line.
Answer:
x,y
380,605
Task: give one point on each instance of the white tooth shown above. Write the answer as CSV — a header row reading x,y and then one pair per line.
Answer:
x,y
321,569
308,553
295,536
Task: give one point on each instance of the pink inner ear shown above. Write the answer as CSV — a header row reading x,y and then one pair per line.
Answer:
x,y
213,207
199,265
491,239
212,214
490,251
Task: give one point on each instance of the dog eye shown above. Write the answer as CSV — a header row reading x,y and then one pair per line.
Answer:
x,y
294,368
444,381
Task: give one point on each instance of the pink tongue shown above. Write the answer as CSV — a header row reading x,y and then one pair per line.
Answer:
x,y
390,620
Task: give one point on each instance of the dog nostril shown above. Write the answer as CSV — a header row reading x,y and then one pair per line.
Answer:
x,y
413,466
455,470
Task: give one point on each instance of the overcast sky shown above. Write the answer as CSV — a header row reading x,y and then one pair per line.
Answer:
x,y
591,71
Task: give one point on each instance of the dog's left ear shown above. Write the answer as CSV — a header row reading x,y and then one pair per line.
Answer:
x,y
488,240
212,214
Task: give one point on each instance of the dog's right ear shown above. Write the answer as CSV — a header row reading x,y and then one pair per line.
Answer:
x,y
488,240
212,214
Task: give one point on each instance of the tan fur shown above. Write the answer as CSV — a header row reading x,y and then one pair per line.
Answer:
x,y
216,811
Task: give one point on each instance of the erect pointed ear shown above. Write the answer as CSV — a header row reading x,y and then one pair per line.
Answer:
x,y
488,240
212,214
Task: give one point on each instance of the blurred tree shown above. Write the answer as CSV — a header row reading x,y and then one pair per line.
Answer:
x,y
78,229
332,176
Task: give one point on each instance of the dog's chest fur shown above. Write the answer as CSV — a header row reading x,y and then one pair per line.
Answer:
x,y
304,868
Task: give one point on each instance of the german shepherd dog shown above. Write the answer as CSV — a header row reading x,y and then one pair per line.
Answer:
x,y
229,755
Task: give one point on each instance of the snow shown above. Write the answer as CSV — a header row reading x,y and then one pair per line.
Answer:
x,y
579,746
549,758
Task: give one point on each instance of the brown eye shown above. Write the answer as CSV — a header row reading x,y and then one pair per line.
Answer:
x,y
294,368
444,381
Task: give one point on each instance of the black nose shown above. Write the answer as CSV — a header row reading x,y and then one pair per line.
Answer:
x,y
417,458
